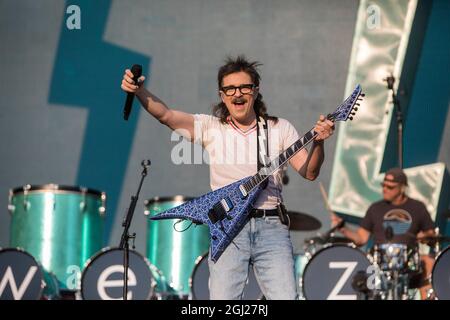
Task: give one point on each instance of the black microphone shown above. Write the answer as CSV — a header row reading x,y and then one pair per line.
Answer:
x,y
390,81
136,70
146,163
359,282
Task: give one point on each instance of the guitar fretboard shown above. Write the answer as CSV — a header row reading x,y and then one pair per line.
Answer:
x,y
279,161
342,113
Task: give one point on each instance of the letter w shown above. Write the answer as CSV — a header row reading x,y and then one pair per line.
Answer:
x,y
9,278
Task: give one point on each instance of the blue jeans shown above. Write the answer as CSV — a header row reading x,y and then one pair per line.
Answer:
x,y
265,243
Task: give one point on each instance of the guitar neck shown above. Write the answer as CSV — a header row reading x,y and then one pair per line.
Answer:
x,y
279,161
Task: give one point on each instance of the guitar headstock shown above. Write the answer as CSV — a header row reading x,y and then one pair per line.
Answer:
x,y
347,109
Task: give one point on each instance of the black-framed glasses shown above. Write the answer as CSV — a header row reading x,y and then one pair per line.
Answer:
x,y
389,187
243,88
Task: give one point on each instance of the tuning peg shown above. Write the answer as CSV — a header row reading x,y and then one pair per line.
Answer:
x,y
357,104
362,95
353,113
351,118
355,108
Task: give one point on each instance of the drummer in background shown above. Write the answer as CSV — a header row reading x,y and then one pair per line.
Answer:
x,y
395,205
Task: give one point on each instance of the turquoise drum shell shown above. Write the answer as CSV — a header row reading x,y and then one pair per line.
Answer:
x,y
61,226
300,262
173,252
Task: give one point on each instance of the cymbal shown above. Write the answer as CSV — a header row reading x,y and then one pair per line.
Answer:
x,y
303,222
339,240
329,240
434,239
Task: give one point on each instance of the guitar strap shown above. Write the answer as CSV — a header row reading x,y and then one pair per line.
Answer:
x,y
262,146
264,161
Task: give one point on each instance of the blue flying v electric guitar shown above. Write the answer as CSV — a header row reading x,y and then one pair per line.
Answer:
x,y
225,210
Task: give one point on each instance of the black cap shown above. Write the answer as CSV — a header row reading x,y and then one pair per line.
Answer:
x,y
396,175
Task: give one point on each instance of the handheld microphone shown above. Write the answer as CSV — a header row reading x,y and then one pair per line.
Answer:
x,y
136,70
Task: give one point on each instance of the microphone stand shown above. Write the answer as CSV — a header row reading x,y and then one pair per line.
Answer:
x,y
124,241
399,117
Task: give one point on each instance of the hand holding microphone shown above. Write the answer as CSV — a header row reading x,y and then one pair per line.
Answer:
x,y
132,81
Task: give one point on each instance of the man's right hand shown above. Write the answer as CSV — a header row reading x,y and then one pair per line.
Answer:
x,y
174,119
128,85
335,220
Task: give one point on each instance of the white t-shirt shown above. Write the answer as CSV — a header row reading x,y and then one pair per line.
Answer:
x,y
232,153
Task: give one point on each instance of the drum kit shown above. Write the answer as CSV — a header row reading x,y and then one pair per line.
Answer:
x,y
56,249
58,228
56,252
389,271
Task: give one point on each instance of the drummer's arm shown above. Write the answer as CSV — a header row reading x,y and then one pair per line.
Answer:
x,y
358,237
426,233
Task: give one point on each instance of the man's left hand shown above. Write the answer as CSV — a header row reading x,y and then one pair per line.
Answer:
x,y
324,128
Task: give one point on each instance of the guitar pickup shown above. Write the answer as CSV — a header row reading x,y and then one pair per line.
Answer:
x,y
244,193
220,209
227,204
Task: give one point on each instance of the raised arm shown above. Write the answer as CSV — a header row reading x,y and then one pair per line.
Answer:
x,y
174,119
359,236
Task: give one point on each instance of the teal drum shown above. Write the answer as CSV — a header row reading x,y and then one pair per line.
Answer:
x,y
173,246
60,226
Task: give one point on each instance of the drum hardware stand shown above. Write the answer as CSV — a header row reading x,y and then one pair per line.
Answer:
x,y
394,286
430,294
437,245
124,241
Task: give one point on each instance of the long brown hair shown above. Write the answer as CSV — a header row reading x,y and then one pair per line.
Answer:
x,y
238,64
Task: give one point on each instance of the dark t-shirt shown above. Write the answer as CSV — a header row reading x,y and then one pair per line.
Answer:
x,y
382,211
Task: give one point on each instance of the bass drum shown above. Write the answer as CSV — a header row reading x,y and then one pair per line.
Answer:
x,y
300,262
61,226
330,273
23,278
440,276
199,282
102,278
